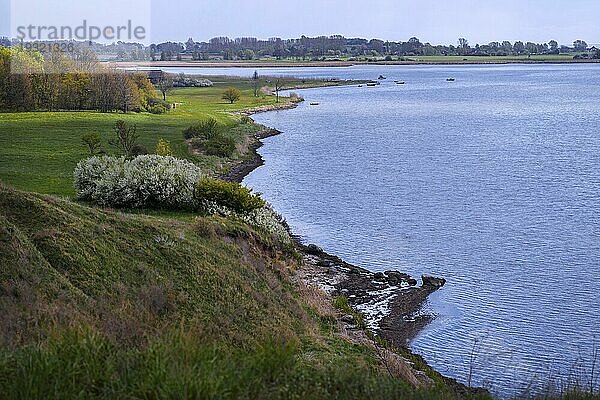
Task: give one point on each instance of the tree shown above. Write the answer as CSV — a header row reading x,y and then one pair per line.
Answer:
x,y
507,47
531,47
231,95
580,45
553,46
165,84
278,88
126,137
190,45
519,47
163,148
255,83
93,141
463,45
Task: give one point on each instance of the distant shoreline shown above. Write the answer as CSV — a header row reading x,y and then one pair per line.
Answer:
x,y
341,64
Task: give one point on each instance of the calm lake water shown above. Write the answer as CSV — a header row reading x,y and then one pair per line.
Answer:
x,y
491,181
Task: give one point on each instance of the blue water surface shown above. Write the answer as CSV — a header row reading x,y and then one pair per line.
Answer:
x,y
491,181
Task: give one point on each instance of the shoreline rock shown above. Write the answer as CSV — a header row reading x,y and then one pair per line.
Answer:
x,y
390,302
239,171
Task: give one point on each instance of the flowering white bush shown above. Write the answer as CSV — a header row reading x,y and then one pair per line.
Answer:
x,y
269,221
264,218
145,181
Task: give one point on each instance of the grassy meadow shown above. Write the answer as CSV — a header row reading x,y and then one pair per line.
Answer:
x,y
39,150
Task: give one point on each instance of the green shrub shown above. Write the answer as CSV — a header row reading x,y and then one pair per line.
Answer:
x,y
158,106
246,120
205,129
93,142
157,109
125,139
158,103
163,148
138,150
228,194
222,146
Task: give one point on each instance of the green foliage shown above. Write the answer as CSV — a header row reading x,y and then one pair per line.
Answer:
x,y
32,82
158,106
85,365
138,150
30,141
341,303
163,148
126,137
157,109
204,129
103,304
93,141
220,145
245,120
231,95
229,194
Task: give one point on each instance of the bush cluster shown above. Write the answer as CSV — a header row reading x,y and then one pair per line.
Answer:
x,y
231,195
145,181
204,129
153,181
221,146
207,135
158,106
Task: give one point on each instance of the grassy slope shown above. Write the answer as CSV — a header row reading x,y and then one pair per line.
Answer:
x,y
110,305
40,150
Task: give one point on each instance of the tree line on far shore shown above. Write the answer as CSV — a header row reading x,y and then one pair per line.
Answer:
x,y
30,81
313,48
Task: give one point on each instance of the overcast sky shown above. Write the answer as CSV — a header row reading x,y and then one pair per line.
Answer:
x,y
437,22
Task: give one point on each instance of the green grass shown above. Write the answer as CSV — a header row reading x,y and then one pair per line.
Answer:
x,y
102,304
39,150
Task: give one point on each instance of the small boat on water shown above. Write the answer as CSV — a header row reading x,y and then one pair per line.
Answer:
x,y
381,77
372,84
450,79
400,82
314,104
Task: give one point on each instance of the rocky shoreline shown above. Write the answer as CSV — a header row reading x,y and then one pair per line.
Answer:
x,y
390,302
238,172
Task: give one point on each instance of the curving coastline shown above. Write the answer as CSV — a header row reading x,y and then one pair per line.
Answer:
x,y
390,302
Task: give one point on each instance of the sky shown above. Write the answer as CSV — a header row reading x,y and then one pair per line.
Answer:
x,y
437,22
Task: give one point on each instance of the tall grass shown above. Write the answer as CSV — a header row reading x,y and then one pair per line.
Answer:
x,y
83,365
